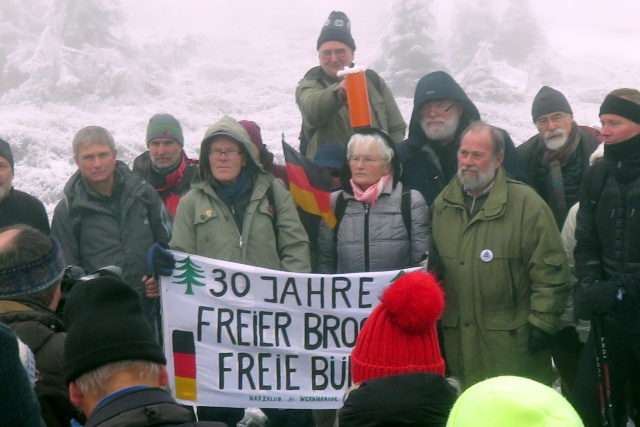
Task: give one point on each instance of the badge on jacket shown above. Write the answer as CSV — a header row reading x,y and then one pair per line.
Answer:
x,y
486,255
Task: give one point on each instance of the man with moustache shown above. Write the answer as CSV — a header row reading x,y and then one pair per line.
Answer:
x,y
507,279
557,157
607,259
165,165
441,112
322,96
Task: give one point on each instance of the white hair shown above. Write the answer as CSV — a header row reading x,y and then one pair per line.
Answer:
x,y
93,382
373,141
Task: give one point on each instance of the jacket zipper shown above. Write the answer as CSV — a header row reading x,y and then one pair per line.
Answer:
x,y
366,238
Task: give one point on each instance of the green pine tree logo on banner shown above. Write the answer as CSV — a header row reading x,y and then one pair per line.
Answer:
x,y
191,273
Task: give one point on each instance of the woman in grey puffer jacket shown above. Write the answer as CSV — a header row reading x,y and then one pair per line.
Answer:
x,y
372,232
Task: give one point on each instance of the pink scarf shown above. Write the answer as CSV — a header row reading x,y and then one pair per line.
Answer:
x,y
371,194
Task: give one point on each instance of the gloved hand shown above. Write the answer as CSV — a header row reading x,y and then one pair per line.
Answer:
x,y
435,265
595,297
160,260
538,339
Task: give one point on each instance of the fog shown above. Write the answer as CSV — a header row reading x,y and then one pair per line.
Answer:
x,y
116,64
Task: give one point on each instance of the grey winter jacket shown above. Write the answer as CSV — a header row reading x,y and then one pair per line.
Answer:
x,y
375,236
91,235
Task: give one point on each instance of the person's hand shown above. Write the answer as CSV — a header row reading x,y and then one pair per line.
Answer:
x,y
538,339
594,297
343,90
151,286
159,260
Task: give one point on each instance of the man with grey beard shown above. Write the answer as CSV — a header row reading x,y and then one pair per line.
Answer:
x,y
441,112
557,157
506,276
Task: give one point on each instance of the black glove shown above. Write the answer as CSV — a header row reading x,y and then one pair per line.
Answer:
x,y
435,265
160,260
538,339
595,297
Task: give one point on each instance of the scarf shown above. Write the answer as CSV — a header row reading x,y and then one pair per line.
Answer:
x,y
555,160
371,194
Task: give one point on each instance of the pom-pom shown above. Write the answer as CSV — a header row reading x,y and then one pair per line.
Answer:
x,y
414,301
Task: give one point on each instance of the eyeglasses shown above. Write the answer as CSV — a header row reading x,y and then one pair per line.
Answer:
x,y
368,161
437,107
339,53
544,121
230,154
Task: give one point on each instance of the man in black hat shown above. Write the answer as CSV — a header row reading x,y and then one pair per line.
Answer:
x,y
114,367
31,269
321,94
17,207
557,157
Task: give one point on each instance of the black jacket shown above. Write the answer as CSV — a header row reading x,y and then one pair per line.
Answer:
x,y
145,406
608,228
540,179
42,331
426,165
416,399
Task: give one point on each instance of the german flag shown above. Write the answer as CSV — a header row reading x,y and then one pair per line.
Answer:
x,y
184,363
310,184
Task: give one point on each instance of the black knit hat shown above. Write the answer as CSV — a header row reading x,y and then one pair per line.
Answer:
x,y
547,101
5,151
105,324
337,28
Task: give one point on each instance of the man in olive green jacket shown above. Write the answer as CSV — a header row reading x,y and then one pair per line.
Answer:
x,y
321,94
507,279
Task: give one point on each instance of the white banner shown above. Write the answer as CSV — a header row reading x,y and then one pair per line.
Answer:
x,y
242,336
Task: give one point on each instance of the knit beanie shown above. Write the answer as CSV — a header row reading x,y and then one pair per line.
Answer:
x,y
337,27
621,107
512,401
253,130
5,151
18,403
547,101
400,335
37,278
164,126
104,322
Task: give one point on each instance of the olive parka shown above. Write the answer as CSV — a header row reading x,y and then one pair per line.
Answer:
x,y
505,269
271,237
325,116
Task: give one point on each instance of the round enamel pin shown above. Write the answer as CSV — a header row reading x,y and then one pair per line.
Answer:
x,y
486,255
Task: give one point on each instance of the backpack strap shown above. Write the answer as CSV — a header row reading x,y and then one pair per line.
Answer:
x,y
338,211
405,208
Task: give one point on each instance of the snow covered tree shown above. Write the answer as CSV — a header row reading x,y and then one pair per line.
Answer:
x,y
474,22
407,50
490,81
519,36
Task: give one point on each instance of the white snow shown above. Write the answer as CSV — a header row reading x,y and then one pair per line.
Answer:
x,y
200,59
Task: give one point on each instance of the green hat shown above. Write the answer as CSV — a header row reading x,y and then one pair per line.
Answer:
x,y
164,126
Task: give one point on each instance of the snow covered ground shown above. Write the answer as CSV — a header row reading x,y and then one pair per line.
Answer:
x,y
198,61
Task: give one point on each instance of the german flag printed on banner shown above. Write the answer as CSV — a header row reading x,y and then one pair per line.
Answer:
x,y
309,184
184,361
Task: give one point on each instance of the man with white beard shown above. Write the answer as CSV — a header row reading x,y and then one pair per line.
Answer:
x,y
506,277
560,150
441,112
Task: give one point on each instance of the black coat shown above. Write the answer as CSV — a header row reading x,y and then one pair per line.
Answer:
x,y
426,165
22,208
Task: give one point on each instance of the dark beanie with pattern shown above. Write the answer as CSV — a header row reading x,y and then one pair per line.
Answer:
x,y
164,126
400,336
5,151
104,322
547,101
337,27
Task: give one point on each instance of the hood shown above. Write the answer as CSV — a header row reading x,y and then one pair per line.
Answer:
x,y
230,127
417,399
435,86
512,401
395,161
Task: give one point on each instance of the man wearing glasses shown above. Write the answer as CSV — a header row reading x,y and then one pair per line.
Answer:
x,y
441,112
560,149
322,98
